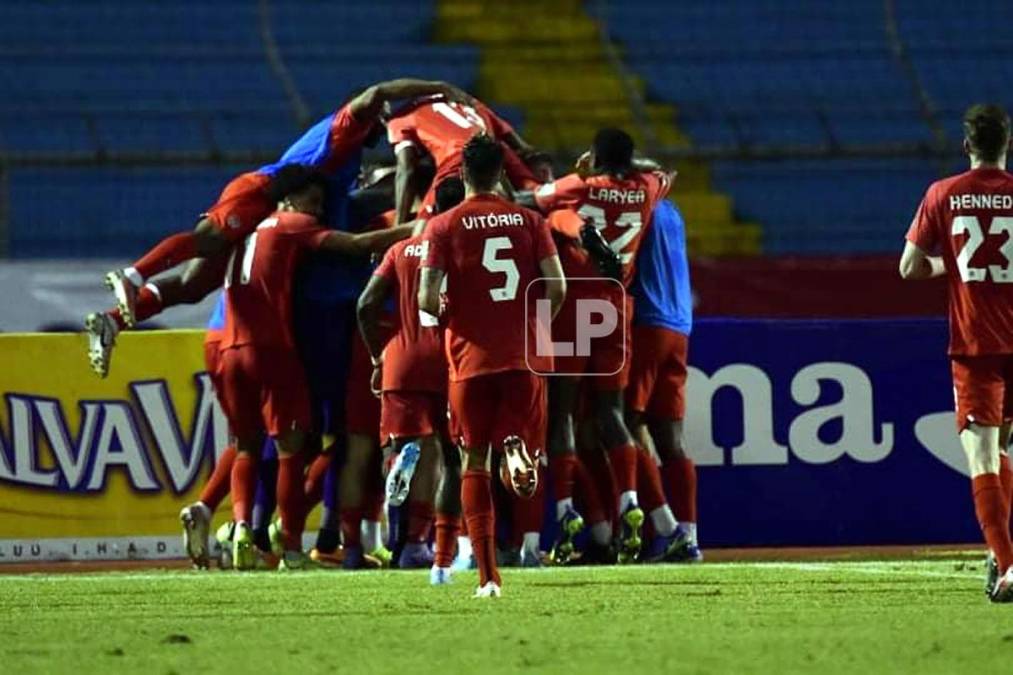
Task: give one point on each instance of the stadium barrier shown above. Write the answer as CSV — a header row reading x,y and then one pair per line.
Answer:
x,y
807,433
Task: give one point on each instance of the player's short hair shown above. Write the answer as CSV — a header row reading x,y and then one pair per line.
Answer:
x,y
613,150
292,178
449,193
483,161
987,130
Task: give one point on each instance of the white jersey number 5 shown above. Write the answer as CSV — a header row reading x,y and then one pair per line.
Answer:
x,y
969,224
508,291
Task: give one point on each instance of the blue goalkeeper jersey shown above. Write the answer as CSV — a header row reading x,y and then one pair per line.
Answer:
x,y
661,290
217,319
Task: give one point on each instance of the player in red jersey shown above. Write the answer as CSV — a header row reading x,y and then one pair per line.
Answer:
x,y
617,194
441,128
262,384
489,251
410,374
244,202
963,229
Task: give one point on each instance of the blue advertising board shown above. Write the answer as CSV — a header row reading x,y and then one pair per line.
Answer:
x,y
824,433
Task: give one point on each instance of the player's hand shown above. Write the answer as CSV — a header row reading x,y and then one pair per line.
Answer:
x,y
376,380
583,165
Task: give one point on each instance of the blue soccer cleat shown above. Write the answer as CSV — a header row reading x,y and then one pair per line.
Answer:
x,y
415,556
440,576
399,479
672,548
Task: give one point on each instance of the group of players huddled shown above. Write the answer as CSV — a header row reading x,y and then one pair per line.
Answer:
x,y
433,366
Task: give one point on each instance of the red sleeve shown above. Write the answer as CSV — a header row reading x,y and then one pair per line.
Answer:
x,y
544,246
385,269
566,222
568,191
305,229
660,183
497,126
519,174
925,227
401,130
436,238
347,135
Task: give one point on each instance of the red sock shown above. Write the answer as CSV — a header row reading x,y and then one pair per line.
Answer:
x,y
990,507
605,482
375,496
561,468
243,487
476,498
166,254
448,527
291,506
649,489
624,466
351,526
527,513
219,483
1006,479
420,521
313,488
680,474
587,499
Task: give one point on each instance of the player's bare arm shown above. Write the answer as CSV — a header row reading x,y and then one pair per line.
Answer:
x,y
915,264
405,191
429,290
368,311
369,104
555,282
364,243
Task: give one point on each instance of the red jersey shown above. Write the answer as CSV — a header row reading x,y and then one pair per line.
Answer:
x,y
621,208
414,359
968,218
489,249
258,280
443,128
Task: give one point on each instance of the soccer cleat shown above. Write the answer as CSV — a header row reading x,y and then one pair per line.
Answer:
x,y
415,556
126,296
531,558
244,552
196,524
673,548
597,554
276,536
102,331
223,539
570,525
521,470
490,590
609,263
631,521
440,576
401,471
508,557
991,573
1003,590
331,560
297,561
381,556
693,554
355,559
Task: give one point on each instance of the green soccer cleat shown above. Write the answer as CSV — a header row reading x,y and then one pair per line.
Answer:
x,y
570,525
382,554
276,535
632,522
223,538
297,561
244,551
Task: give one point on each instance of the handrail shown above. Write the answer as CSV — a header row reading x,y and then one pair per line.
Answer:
x,y
300,110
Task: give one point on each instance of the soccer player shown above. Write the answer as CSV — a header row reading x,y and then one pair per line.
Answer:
x,y
617,194
489,251
413,388
245,202
962,230
262,383
442,127
656,395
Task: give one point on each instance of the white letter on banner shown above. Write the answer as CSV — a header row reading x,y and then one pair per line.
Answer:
x,y
71,458
5,458
118,429
23,439
855,410
758,445
157,408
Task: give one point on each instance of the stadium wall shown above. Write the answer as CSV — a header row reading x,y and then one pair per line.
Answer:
x,y
807,433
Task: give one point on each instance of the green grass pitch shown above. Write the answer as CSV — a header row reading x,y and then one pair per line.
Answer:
x,y
851,617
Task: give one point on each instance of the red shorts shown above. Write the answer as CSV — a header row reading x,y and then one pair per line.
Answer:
x,y
263,389
607,362
983,389
413,414
658,373
362,408
488,408
242,205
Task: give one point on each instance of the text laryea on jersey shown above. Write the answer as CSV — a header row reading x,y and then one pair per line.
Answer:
x,y
486,220
614,196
